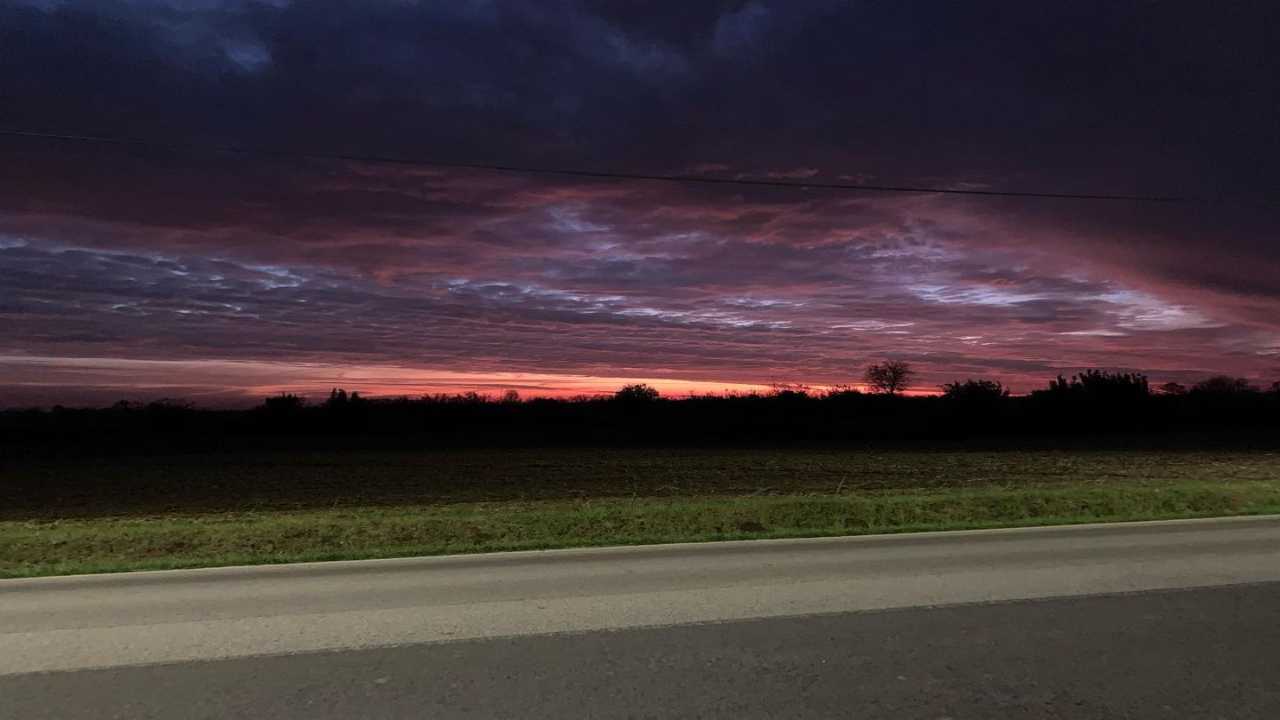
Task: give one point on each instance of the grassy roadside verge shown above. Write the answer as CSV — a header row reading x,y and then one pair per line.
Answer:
x,y
51,547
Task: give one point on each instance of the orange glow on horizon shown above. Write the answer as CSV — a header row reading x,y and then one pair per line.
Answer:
x,y
235,382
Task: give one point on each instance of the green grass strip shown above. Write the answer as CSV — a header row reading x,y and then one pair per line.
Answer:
x,y
52,547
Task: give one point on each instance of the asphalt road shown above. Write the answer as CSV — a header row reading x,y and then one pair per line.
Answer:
x,y
767,629
1212,653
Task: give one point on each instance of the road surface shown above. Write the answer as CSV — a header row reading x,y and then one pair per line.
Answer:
x,y
1138,620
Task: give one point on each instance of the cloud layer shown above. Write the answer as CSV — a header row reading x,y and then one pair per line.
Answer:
x,y
431,279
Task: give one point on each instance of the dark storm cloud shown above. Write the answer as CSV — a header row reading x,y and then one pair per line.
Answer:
x,y
896,89
129,253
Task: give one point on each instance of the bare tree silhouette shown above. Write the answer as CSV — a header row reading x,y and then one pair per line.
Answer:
x,y
890,376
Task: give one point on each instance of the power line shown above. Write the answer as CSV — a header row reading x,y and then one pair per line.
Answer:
x,y
581,173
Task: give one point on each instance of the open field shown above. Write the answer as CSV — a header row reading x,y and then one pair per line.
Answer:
x,y
299,481
211,510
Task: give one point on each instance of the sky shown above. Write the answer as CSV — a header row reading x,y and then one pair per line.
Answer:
x,y
146,272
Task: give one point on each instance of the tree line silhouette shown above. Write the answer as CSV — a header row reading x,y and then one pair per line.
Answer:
x,y
1092,406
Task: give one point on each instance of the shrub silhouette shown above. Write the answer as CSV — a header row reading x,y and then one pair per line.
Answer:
x,y
340,400
843,392
638,393
284,403
1224,385
1101,386
787,392
975,391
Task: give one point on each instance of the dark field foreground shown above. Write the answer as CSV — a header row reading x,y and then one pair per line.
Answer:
x,y
197,484
114,514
